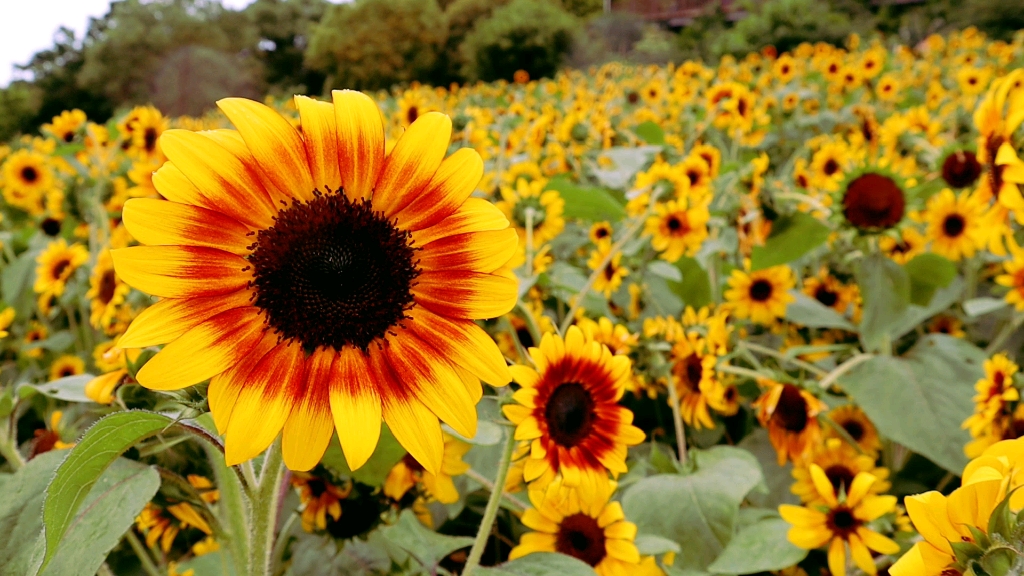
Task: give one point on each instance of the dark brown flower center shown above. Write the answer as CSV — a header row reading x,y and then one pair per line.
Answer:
x,y
569,414
873,202
149,138
580,536
69,136
842,522
826,296
108,284
760,290
412,114
60,267
953,225
854,429
333,272
840,476
961,169
50,227
831,167
29,174
791,411
632,97
674,224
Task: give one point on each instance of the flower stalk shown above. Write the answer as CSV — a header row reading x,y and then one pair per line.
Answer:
x,y
493,503
263,500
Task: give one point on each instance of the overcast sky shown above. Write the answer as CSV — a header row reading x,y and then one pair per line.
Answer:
x,y
27,26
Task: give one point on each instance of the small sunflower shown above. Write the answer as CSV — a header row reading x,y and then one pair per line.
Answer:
x,y
66,125
408,472
1013,277
163,524
568,407
611,275
842,524
956,224
693,368
679,227
56,264
616,337
841,464
761,296
146,127
36,333
995,393
829,291
905,247
855,422
601,233
791,416
545,206
66,365
319,498
27,177
320,283
592,530
106,292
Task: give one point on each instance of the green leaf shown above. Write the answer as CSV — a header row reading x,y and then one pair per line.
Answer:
x,y
650,545
16,278
807,311
885,287
933,381
928,272
587,202
1001,520
914,315
980,306
98,448
68,388
21,545
216,563
57,342
739,469
792,237
777,479
109,510
427,547
760,547
387,453
651,133
539,564
695,287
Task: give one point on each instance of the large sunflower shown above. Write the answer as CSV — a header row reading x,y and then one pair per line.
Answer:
x,y
568,407
319,282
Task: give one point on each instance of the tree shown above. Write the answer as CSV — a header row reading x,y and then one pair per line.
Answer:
x,y
284,28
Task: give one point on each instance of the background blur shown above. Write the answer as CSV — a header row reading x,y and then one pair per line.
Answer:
x,y
182,55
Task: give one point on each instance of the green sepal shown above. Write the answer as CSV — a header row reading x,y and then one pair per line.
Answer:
x,y
980,537
965,552
999,561
1002,522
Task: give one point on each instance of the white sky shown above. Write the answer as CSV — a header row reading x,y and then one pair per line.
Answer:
x,y
27,26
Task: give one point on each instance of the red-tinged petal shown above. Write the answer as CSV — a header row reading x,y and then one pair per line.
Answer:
x,y
162,223
172,184
451,185
264,402
360,142
468,295
320,135
204,351
475,215
232,141
355,402
412,163
309,427
475,251
225,387
222,177
463,342
181,271
275,144
171,317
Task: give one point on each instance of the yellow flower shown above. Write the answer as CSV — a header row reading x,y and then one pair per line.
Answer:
x,y
761,296
679,227
56,264
827,289
6,319
856,423
611,275
106,292
319,499
956,225
791,416
693,368
49,438
842,524
1013,278
905,248
407,473
66,125
601,233
66,365
320,283
841,464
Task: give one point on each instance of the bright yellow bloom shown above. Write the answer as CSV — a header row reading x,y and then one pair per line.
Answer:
x,y
407,473
56,264
679,227
611,275
791,416
761,296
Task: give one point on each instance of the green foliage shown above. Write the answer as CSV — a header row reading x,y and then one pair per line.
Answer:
x,y
531,35
791,237
19,103
373,44
885,287
587,202
424,545
385,455
284,28
539,564
462,16
759,547
784,24
928,272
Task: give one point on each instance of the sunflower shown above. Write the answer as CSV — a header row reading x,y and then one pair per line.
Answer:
x,y
888,88
905,247
106,292
997,118
612,273
946,324
56,264
66,126
544,206
828,164
842,524
310,275
956,224
49,438
995,393
568,407
146,126
693,368
829,291
592,530
784,69
855,422
1013,277
698,172
761,296
164,524
6,319
791,416
841,464
66,365
873,202
679,227
412,105
319,498
27,177
961,169
601,233
36,333
110,360
408,472
616,337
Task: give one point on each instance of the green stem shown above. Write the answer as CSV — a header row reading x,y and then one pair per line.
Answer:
x,y
282,542
140,551
232,510
1008,330
753,374
487,484
484,532
782,357
264,502
677,417
9,450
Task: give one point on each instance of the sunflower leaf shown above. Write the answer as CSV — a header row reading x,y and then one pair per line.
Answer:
x,y
539,564
650,132
928,272
587,202
792,237
885,286
427,547
68,388
760,547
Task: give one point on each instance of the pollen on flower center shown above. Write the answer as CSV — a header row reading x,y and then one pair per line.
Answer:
x,y
581,537
332,272
569,414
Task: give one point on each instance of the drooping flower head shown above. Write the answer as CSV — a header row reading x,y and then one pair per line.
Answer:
x,y
319,282
791,416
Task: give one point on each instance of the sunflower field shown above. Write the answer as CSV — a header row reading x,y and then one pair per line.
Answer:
x,y
758,318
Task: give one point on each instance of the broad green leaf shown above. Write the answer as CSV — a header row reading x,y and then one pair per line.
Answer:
x,y
649,544
791,237
57,342
914,315
695,287
739,469
373,473
778,479
665,270
217,563
928,272
21,544
106,514
651,133
68,388
980,306
98,448
16,280
587,202
807,311
933,381
427,547
315,555
539,564
760,547
885,287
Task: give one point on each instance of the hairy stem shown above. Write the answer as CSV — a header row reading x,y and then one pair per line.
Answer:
x,y
493,503
264,501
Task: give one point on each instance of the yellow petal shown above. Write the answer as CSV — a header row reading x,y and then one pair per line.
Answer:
x,y
837,557
171,317
360,142
356,406
309,427
162,223
320,135
451,185
263,403
181,271
416,428
412,163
